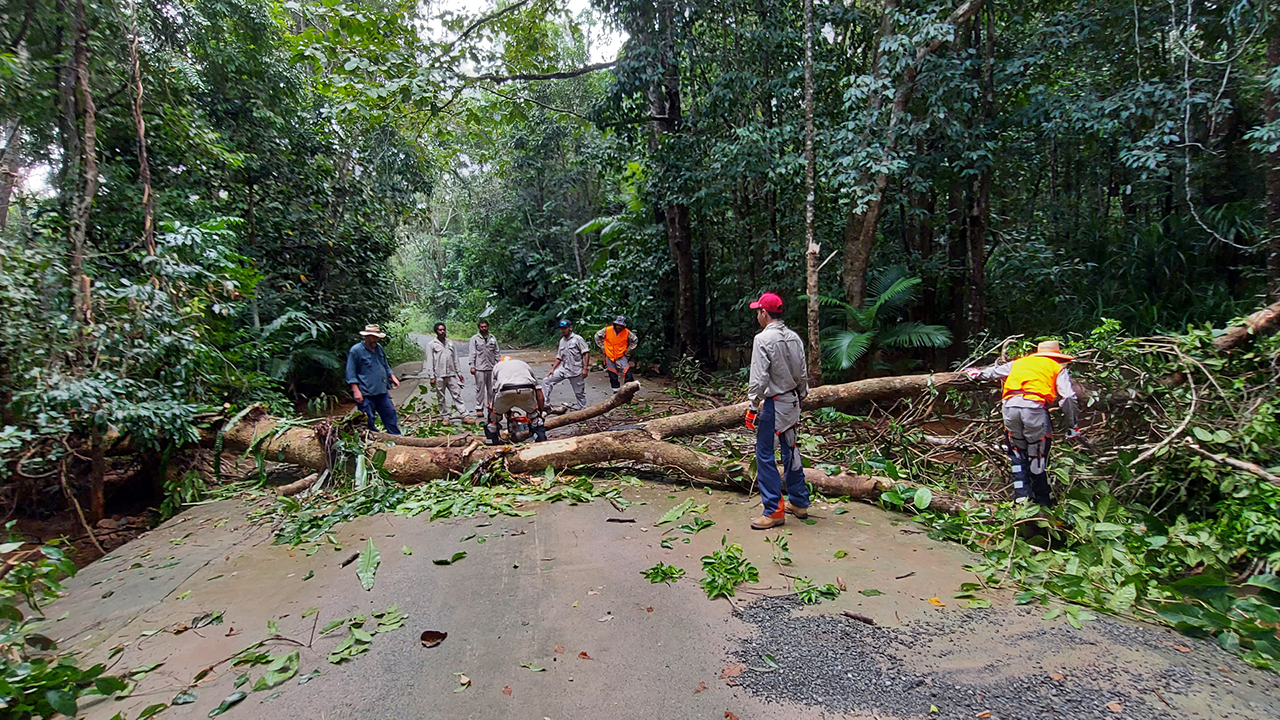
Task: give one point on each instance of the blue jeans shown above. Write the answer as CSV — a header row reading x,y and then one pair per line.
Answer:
x,y
767,467
382,405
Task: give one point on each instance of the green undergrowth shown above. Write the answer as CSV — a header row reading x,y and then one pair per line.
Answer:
x,y
37,679
1094,552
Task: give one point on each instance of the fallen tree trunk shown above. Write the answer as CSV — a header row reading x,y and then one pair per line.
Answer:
x,y
409,465
1262,321
835,396
618,399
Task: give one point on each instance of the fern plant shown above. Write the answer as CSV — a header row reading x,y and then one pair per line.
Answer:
x,y
876,326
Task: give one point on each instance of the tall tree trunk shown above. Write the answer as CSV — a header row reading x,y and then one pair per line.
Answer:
x,y
854,265
9,168
980,217
860,228
140,127
88,185
665,104
1272,104
813,250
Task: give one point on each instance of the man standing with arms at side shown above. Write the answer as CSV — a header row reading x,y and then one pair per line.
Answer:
x,y
369,375
617,341
482,355
1031,384
778,383
443,369
573,360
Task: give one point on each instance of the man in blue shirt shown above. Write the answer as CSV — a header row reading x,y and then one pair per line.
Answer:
x,y
369,374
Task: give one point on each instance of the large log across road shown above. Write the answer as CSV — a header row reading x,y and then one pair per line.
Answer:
x,y
835,396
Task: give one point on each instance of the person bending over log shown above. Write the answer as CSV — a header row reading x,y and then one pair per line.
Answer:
x,y
778,384
1031,384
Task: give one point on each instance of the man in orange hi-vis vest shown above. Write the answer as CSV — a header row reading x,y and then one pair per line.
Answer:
x,y
1031,384
617,342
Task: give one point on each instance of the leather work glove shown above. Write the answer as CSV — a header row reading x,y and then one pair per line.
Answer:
x,y
1073,433
972,372
751,419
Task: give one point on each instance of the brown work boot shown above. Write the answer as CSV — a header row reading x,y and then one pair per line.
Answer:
x,y
764,522
800,513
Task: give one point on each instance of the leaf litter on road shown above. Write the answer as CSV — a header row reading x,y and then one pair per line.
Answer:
x,y
367,566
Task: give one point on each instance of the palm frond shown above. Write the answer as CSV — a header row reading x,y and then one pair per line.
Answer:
x,y
881,280
847,347
916,335
896,297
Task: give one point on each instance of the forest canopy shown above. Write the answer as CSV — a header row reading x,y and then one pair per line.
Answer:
x,y
203,201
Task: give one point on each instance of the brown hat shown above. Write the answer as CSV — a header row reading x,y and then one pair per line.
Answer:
x,y
373,330
1051,349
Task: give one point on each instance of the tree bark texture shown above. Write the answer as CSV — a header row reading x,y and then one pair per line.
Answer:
x,y
1272,106
1263,321
861,228
410,465
140,127
88,181
9,167
813,249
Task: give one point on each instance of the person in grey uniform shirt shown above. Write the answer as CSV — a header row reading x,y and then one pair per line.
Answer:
x,y
442,368
514,387
1031,384
778,382
482,355
572,362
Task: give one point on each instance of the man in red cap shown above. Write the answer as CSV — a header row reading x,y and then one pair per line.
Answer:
x,y
778,384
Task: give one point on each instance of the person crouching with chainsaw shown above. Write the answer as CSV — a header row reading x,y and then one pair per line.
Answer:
x,y
1031,385
515,388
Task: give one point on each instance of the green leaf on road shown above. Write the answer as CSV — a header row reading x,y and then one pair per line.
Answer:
x,y
532,667
450,560
185,697
841,553
870,592
310,611
310,574
367,565
152,711
227,704
676,512
62,701
282,668
406,550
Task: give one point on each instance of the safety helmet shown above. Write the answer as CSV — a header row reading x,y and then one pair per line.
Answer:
x,y
564,324
505,358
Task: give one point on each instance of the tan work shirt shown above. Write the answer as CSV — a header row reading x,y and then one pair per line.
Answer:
x,y
483,352
777,369
442,359
513,373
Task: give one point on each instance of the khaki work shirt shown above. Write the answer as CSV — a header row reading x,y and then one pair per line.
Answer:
x,y
513,373
442,359
778,368
482,352
572,349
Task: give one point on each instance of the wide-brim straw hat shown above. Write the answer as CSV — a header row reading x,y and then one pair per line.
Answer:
x,y
1051,349
373,330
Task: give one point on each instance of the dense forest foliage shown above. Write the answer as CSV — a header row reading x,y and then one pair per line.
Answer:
x,y
201,201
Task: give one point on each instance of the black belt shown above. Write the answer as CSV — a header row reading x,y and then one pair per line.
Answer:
x,y
505,388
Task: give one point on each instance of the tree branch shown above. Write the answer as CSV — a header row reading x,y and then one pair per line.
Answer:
x,y
558,75
519,98
487,18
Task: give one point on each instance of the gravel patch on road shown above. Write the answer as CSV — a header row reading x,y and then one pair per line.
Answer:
x,y
952,668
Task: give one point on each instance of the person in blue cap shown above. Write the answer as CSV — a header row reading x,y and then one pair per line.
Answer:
x,y
572,362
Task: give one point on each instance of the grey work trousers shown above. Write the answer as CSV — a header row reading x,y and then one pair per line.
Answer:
x,y
1028,429
484,390
576,381
449,388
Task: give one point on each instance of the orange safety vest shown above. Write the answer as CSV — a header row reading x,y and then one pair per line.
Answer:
x,y
1035,377
615,344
